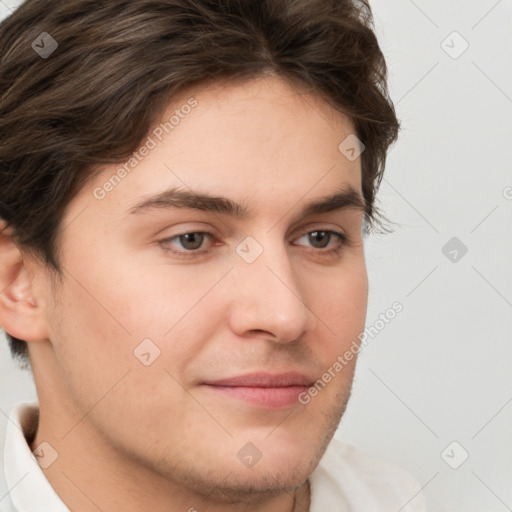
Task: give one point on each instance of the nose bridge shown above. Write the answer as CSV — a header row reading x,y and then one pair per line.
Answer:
x,y
267,295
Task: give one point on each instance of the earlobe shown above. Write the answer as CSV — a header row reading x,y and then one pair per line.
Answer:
x,y
21,315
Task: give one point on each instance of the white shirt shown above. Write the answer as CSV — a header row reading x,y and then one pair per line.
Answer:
x,y
345,480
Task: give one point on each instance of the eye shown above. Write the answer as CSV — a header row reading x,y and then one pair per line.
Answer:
x,y
320,239
190,242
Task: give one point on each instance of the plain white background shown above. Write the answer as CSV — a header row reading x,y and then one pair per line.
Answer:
x,y
433,389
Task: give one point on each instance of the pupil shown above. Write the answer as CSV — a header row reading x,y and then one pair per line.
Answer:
x,y
192,240
316,235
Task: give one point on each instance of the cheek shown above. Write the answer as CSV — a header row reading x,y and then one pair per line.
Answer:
x,y
108,310
344,298
343,309
90,345
100,372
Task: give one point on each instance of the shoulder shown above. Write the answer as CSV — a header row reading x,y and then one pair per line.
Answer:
x,y
354,481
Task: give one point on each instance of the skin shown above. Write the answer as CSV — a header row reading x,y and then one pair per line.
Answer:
x,y
152,435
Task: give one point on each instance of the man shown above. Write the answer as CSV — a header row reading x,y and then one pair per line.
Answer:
x,y
185,190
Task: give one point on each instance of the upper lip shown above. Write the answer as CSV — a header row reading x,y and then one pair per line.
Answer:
x,y
264,380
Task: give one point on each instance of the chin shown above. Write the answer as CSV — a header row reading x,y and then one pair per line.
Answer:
x,y
222,477
237,485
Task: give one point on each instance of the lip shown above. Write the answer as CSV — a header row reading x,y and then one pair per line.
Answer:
x,y
262,389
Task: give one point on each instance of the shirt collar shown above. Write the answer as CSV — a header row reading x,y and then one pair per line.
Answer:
x,y
29,488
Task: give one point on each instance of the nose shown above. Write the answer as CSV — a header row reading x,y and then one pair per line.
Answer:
x,y
267,298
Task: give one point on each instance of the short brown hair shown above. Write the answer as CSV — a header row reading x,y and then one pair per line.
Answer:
x,y
119,63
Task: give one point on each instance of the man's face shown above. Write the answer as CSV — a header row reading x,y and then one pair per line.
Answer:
x,y
216,305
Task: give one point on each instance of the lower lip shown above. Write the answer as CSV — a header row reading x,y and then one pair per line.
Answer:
x,y
269,398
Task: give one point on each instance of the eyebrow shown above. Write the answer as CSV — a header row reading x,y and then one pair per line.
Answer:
x,y
176,198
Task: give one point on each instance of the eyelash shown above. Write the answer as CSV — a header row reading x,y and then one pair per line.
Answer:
x,y
343,240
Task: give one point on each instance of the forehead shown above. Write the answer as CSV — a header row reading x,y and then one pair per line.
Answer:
x,y
259,139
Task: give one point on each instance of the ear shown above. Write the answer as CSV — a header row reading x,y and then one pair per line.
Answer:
x,y
21,314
